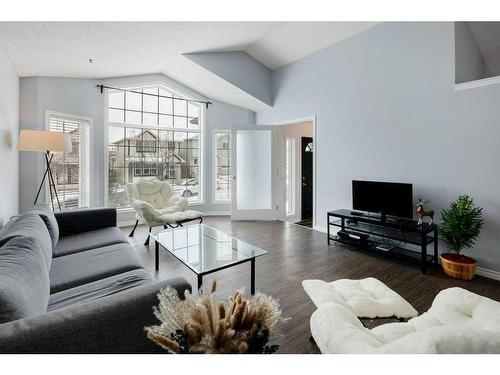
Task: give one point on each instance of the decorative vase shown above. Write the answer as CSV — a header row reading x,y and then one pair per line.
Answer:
x,y
458,266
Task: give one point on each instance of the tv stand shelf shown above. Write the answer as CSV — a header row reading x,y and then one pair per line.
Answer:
x,y
373,229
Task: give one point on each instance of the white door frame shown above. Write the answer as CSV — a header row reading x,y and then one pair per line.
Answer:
x,y
279,189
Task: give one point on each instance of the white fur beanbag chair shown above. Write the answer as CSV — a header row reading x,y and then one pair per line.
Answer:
x,y
366,298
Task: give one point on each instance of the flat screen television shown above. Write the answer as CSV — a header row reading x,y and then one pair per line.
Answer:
x,y
389,198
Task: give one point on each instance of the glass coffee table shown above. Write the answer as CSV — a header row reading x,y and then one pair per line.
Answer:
x,y
205,250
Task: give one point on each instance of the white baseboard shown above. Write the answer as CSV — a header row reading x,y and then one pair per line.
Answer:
x,y
490,274
217,213
320,229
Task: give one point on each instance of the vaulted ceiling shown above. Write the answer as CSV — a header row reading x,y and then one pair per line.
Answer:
x,y
63,49
487,36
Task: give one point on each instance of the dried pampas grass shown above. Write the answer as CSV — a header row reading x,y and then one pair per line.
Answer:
x,y
202,325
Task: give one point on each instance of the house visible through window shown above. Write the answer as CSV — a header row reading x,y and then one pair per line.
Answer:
x,y
145,145
145,169
222,166
152,137
71,170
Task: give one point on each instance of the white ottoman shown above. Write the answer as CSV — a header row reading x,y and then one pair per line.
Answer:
x,y
366,298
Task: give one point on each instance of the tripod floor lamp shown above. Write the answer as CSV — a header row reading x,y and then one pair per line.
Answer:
x,y
48,142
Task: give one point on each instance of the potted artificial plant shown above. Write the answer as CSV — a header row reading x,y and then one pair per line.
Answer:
x,y
459,228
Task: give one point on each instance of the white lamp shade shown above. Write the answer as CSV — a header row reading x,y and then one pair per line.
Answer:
x,y
44,140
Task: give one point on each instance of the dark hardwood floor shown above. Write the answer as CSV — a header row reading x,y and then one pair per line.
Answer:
x,y
297,253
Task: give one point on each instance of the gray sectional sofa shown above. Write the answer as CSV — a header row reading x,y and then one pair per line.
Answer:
x,y
71,283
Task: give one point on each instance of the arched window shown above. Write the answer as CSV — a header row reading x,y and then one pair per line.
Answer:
x,y
153,137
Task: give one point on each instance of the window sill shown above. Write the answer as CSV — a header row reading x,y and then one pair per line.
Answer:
x,y
130,209
221,202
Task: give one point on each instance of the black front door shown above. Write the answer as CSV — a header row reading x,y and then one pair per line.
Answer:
x,y
307,177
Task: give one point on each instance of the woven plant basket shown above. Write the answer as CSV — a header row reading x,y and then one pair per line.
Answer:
x,y
463,267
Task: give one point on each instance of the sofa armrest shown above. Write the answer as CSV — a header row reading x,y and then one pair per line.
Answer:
x,y
79,221
113,324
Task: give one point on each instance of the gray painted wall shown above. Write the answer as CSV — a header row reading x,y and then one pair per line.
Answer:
x,y
66,95
386,109
469,61
9,129
239,69
81,97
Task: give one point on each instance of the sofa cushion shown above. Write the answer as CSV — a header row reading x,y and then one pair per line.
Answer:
x,y
29,225
89,240
50,221
24,279
85,267
100,288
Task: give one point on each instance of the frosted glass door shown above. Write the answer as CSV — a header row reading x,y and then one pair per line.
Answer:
x,y
253,177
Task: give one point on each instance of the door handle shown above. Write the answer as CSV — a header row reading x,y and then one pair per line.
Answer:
x,y
234,177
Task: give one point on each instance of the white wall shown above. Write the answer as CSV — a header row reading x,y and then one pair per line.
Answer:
x,y
9,129
81,97
386,109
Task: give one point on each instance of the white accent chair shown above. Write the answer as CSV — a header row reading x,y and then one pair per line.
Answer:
x,y
459,321
155,203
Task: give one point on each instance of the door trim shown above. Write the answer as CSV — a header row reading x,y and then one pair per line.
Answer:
x,y
311,119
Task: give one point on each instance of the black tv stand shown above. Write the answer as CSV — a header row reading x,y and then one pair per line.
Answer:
x,y
366,232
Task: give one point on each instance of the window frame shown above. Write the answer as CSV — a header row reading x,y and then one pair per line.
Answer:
x,y
214,166
291,178
201,138
75,118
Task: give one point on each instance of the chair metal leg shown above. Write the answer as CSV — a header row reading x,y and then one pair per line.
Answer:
x,y
133,230
146,243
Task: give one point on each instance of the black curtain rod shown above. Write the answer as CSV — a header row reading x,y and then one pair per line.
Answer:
x,y
102,87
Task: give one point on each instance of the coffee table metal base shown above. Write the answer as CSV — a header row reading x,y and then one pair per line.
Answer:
x,y
200,275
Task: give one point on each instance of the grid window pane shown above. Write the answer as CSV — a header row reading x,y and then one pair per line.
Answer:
x,y
150,119
150,103
166,121
116,99
132,117
133,101
150,148
116,115
193,110
180,108
166,104
180,122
